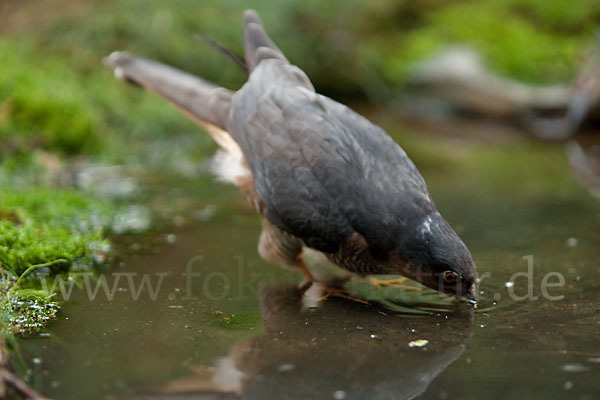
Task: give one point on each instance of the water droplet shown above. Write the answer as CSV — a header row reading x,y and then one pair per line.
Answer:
x,y
418,343
206,213
286,367
171,238
339,395
575,368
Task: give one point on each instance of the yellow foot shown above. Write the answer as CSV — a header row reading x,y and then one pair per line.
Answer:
x,y
395,283
337,292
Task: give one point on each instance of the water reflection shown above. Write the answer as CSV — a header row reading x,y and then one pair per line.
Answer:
x,y
342,350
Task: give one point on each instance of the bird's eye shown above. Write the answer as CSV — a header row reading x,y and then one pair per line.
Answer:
x,y
450,276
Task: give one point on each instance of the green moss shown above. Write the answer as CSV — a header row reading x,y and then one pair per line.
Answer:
x,y
28,244
509,42
530,40
39,226
560,16
44,103
27,310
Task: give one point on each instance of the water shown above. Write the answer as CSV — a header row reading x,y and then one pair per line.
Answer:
x,y
238,330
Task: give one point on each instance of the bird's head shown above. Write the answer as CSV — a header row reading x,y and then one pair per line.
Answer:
x,y
439,259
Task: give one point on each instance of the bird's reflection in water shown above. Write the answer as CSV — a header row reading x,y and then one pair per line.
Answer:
x,y
342,350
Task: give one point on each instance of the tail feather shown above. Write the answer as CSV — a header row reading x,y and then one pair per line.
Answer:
x,y
257,44
202,101
224,51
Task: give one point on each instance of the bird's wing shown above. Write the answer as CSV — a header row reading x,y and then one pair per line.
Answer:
x,y
323,171
258,45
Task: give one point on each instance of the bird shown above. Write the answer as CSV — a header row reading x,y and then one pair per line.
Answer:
x,y
322,177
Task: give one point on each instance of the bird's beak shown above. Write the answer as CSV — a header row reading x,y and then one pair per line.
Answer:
x,y
470,298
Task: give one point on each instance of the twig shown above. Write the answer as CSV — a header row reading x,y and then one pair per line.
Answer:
x,y
19,385
7,378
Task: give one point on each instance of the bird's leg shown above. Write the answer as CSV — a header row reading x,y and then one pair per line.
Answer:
x,y
326,291
304,269
395,283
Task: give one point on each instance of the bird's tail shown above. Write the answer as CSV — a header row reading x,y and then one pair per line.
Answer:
x,y
257,44
205,103
202,101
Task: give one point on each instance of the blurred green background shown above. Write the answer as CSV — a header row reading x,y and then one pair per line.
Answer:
x,y
56,95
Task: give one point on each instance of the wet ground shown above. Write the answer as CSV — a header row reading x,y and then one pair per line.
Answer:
x,y
224,324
